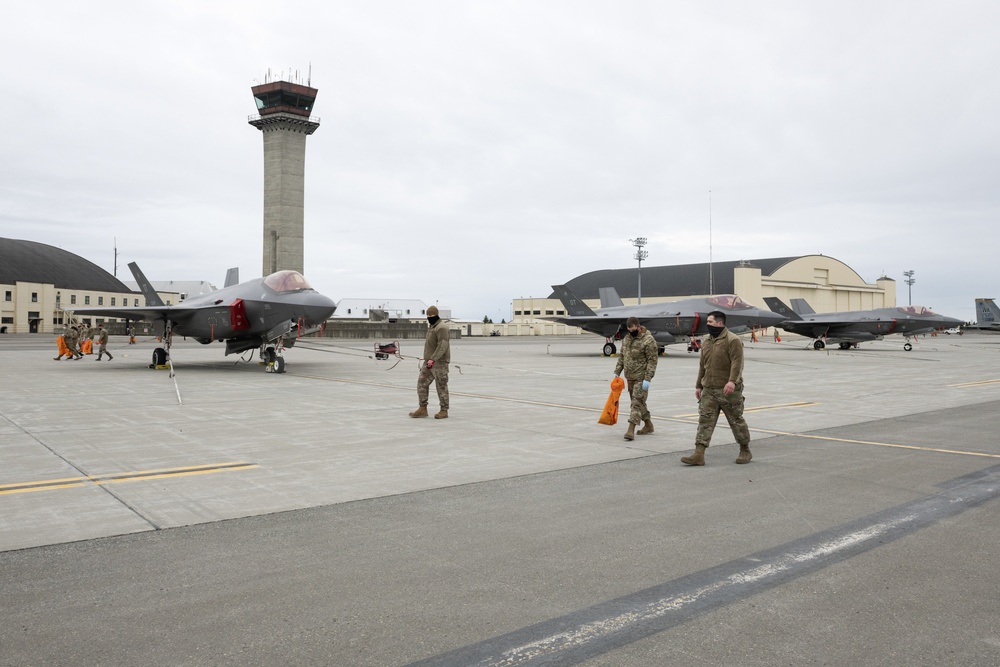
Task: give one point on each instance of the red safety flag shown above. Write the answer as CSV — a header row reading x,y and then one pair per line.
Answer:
x,y
609,415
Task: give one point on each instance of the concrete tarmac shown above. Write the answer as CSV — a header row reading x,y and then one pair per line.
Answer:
x,y
228,516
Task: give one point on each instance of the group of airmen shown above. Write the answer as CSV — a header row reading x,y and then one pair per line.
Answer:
x,y
718,387
71,343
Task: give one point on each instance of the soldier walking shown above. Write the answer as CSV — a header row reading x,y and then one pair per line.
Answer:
x,y
102,343
638,360
73,342
434,365
719,388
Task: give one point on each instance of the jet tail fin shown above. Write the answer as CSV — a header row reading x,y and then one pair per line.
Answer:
x,y
232,276
574,306
610,298
778,306
987,313
152,298
802,307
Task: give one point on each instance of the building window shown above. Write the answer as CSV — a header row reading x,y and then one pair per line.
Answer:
x,y
560,312
100,301
135,302
72,299
348,311
112,301
8,296
517,312
34,297
7,320
537,312
549,312
86,300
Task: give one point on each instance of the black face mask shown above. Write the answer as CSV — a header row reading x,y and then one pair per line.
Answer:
x,y
433,320
714,331
634,333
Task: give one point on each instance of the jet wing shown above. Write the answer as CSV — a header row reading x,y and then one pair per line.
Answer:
x,y
604,326
839,329
147,313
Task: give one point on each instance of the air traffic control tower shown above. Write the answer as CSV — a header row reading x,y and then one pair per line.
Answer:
x,y
284,119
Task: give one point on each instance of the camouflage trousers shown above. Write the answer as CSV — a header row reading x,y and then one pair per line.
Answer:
x,y
437,375
713,401
638,412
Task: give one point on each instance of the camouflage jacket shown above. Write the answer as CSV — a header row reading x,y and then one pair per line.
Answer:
x,y
639,356
721,361
437,344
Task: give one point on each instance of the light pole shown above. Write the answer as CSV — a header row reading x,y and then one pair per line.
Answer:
x,y
640,255
909,284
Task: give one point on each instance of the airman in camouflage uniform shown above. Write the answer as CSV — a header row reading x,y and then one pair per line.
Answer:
x,y
434,365
638,359
719,388
102,342
73,342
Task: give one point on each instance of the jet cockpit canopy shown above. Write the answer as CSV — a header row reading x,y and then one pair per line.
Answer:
x,y
287,281
729,301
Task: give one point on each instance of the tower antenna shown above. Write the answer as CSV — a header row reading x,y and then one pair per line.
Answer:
x,y
711,277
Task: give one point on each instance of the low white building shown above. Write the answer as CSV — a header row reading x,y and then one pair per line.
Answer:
x,y
385,309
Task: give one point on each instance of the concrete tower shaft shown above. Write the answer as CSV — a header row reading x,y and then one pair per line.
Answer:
x,y
285,123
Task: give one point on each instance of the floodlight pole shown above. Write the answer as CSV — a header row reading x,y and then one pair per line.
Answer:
x,y
640,255
909,284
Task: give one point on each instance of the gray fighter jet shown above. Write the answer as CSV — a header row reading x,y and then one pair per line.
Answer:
x,y
848,328
987,316
670,322
268,314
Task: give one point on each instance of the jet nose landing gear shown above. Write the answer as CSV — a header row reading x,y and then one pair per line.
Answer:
x,y
273,361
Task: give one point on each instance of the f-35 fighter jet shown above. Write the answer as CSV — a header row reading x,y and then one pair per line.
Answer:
x,y
848,328
268,313
670,322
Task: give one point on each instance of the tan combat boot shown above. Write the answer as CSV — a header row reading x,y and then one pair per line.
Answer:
x,y
442,414
745,455
630,433
419,412
647,427
697,458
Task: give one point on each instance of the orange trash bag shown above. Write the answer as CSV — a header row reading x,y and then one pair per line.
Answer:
x,y
609,415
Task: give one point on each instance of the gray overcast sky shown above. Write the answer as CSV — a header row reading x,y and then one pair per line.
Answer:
x,y
475,152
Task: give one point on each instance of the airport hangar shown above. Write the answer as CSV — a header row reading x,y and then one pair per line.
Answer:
x,y
41,282
828,284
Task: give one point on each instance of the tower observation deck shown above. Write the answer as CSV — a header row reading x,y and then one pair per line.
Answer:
x,y
285,122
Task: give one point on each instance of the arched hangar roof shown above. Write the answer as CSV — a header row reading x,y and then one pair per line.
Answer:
x,y
678,280
32,262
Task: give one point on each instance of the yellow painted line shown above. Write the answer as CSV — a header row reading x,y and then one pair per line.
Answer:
x,y
762,408
878,444
112,478
979,383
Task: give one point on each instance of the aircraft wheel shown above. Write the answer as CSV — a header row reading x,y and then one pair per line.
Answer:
x,y
845,346
159,357
819,345
279,364
609,349
661,350
907,347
